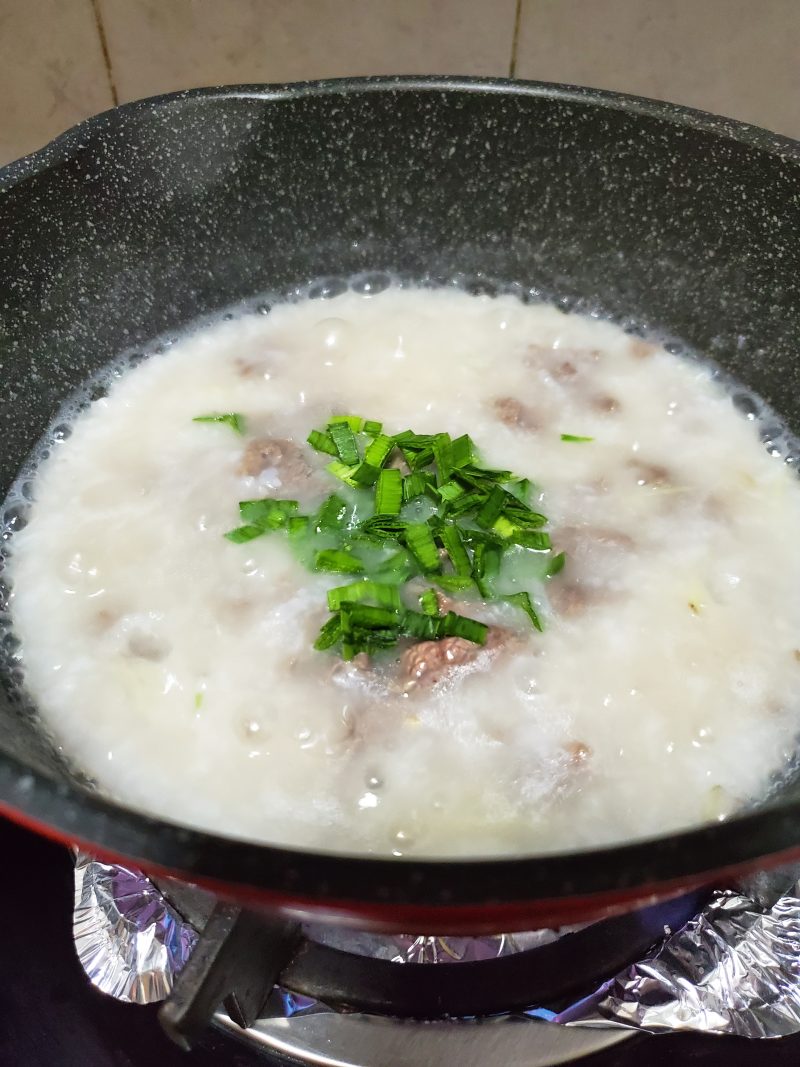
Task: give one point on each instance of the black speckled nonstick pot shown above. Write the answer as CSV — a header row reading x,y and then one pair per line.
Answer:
x,y
139,220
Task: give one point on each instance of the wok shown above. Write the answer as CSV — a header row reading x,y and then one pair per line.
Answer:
x,y
140,220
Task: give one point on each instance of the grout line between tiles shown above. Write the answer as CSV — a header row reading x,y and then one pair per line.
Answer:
x,y
98,19
512,67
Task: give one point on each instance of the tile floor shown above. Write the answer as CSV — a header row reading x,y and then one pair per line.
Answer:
x,y
61,60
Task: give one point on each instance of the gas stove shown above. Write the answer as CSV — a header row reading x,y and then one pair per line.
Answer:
x,y
333,995
49,1014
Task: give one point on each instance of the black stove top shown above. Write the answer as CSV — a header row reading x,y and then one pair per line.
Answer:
x,y
50,1015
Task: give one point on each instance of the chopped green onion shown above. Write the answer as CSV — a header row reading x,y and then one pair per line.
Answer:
x,y
556,565
481,537
345,441
460,453
523,517
397,569
454,545
386,596
243,534
510,524
332,514
422,627
460,626
384,526
415,442
462,504
450,491
355,422
322,442
574,437
492,558
368,614
417,460
338,560
536,539
485,566
415,485
230,418
369,641
490,511
364,475
371,618
441,455
378,451
267,514
523,600
503,527
419,540
297,527
343,471
329,634
429,602
521,489
454,583
389,492
482,478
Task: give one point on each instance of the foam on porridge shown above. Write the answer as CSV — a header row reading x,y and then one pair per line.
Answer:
x,y
177,670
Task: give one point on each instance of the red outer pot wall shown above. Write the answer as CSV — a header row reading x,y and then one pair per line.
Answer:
x,y
454,920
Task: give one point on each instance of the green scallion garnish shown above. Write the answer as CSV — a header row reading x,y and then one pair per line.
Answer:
x,y
450,519
416,485
492,507
242,534
322,442
389,492
575,437
332,514
420,543
429,602
556,565
453,544
460,626
268,514
230,418
378,451
384,527
338,561
330,633
355,422
387,596
523,601
364,474
455,583
343,471
345,441
261,517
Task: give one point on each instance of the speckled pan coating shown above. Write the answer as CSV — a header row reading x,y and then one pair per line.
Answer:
x,y
139,220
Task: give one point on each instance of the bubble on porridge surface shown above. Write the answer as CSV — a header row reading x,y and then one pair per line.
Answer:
x,y
370,284
327,288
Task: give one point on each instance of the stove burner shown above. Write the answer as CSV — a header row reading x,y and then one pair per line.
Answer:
x,y
360,1040
240,956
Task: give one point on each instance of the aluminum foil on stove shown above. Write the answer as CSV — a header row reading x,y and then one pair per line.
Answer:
x,y
733,969
129,940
